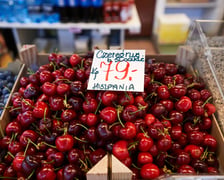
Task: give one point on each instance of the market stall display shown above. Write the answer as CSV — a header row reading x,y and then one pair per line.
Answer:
x,y
59,129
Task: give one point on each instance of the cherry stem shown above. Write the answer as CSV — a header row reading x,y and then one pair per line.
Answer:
x,y
157,82
135,111
146,135
24,154
84,164
80,140
120,108
98,106
62,64
30,71
135,166
15,108
36,146
133,144
205,154
9,153
45,111
53,64
82,62
196,119
12,138
66,80
127,95
31,174
82,126
50,162
114,124
65,102
58,168
52,146
83,97
166,118
37,129
207,100
151,94
66,128
27,103
169,164
88,160
91,148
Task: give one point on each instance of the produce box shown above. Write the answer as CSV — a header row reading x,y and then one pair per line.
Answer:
x,y
16,67
109,167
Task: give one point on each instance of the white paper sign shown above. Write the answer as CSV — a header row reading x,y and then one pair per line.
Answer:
x,y
117,70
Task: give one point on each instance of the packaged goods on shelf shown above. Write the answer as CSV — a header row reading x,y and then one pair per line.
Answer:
x,y
173,28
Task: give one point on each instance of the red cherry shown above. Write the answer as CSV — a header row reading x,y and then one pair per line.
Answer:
x,y
149,119
210,142
24,81
165,143
183,158
126,98
144,158
27,105
109,114
13,128
46,76
195,151
210,109
184,104
145,144
128,131
49,88
168,104
186,169
46,173
68,115
64,143
17,162
197,108
74,60
69,74
41,110
194,94
63,89
91,119
171,69
90,106
178,91
109,98
163,92
129,113
56,103
149,171
120,150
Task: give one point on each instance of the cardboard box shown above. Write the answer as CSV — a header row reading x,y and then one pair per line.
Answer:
x,y
111,167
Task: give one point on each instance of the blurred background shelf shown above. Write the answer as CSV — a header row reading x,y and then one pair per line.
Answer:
x,y
63,36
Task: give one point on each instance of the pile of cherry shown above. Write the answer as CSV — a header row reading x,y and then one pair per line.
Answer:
x,y
60,130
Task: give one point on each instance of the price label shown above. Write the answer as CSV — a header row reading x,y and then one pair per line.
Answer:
x,y
117,70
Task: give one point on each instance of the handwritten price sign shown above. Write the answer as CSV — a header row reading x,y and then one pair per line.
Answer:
x,y
117,70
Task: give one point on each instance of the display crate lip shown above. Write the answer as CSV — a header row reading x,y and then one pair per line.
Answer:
x,y
217,131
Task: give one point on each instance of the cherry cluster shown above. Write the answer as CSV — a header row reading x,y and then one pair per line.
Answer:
x,y
60,130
